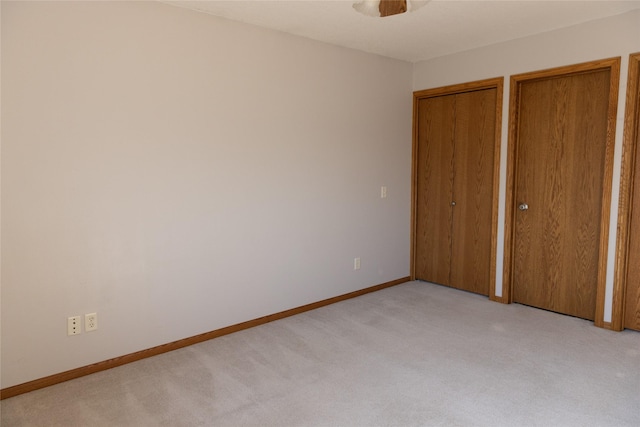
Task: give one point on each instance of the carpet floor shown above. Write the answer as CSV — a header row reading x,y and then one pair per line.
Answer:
x,y
416,354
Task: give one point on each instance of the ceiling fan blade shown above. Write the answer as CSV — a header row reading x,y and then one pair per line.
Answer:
x,y
392,7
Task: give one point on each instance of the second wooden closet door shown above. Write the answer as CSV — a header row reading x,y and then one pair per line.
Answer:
x,y
456,139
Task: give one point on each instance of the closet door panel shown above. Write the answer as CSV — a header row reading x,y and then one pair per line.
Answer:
x,y
632,139
632,297
560,160
434,188
473,190
456,149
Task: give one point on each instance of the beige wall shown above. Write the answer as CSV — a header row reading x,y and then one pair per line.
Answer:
x,y
178,173
611,37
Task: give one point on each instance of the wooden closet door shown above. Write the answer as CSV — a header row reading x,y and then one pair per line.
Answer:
x,y
474,143
455,177
560,155
631,318
434,186
632,294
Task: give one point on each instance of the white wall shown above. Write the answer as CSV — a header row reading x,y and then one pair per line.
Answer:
x,y
178,173
611,37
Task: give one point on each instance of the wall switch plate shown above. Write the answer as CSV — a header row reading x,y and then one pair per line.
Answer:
x,y
74,325
90,322
383,192
356,263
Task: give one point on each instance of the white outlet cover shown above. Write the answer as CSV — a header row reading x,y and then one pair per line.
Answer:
x,y
91,322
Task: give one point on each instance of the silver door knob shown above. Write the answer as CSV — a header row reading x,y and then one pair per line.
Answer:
x,y
523,206
453,203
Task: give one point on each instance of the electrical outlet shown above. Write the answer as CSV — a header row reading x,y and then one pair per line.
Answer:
x,y
74,325
90,322
383,192
356,263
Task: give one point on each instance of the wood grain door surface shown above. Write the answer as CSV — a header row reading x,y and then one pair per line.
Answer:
x,y
632,281
632,294
436,132
561,141
473,190
456,140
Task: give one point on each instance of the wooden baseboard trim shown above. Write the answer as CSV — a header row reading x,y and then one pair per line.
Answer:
x,y
502,299
164,348
607,325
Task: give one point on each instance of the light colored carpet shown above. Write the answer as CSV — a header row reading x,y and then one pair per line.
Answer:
x,y
413,355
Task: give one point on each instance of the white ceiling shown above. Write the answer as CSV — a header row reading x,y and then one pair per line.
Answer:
x,y
439,28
